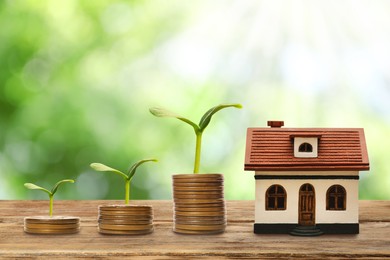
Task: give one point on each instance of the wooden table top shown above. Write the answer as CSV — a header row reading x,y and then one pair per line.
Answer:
x,y
238,241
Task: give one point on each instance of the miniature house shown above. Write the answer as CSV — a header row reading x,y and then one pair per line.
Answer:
x,y
306,178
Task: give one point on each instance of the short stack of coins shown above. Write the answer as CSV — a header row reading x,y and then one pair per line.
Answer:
x,y
51,225
125,220
199,205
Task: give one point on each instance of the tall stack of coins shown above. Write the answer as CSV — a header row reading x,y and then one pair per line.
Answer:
x,y
199,205
125,219
51,225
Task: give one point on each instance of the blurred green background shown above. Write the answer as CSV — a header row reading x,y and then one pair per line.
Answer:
x,y
78,77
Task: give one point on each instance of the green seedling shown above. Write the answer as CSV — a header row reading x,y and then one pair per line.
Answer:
x,y
198,128
127,177
51,192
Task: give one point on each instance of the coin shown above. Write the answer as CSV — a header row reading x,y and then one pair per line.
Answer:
x,y
125,227
52,226
124,232
200,213
198,182
200,209
220,203
199,205
124,213
194,222
213,176
194,202
197,232
200,227
52,220
125,221
130,208
198,192
200,218
51,231
197,196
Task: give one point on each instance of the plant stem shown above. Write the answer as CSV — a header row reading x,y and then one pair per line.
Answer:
x,y
127,191
197,151
51,205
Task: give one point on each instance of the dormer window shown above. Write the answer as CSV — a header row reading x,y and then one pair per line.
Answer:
x,y
305,146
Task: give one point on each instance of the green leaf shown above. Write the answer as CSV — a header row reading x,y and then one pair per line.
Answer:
x,y
161,112
135,166
104,168
206,118
54,190
32,186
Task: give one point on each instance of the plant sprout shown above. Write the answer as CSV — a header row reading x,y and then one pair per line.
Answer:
x,y
51,193
127,177
199,129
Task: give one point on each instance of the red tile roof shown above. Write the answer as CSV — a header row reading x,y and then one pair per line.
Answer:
x,y
272,149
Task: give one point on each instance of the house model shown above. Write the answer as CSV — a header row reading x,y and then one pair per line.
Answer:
x,y
306,178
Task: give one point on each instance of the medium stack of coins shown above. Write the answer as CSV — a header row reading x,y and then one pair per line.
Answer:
x,y
199,205
125,219
51,225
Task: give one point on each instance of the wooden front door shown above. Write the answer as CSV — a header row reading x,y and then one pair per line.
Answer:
x,y
307,205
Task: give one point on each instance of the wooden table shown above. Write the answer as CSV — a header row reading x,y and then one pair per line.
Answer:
x,y
238,241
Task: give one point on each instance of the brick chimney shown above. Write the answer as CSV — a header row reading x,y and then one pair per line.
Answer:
x,y
274,124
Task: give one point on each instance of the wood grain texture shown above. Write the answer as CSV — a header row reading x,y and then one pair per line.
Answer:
x,y
238,241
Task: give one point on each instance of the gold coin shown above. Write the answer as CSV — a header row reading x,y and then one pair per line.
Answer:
x,y
183,183
200,222
51,226
52,220
51,231
126,217
195,202
219,204
124,232
197,184
124,227
198,176
200,213
125,221
193,209
123,213
131,208
200,227
199,192
197,232
200,218
197,196
203,183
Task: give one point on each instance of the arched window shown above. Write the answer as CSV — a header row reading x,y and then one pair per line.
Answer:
x,y
305,148
275,198
336,198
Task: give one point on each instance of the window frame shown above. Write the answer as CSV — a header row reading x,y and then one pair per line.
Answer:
x,y
275,196
339,193
305,147
310,140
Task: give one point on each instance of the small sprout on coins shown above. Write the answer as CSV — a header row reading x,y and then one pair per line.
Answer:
x,y
127,177
51,193
198,128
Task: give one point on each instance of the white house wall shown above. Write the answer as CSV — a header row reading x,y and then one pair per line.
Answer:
x,y
292,186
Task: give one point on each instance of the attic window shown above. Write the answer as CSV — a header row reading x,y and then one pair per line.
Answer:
x,y
305,146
